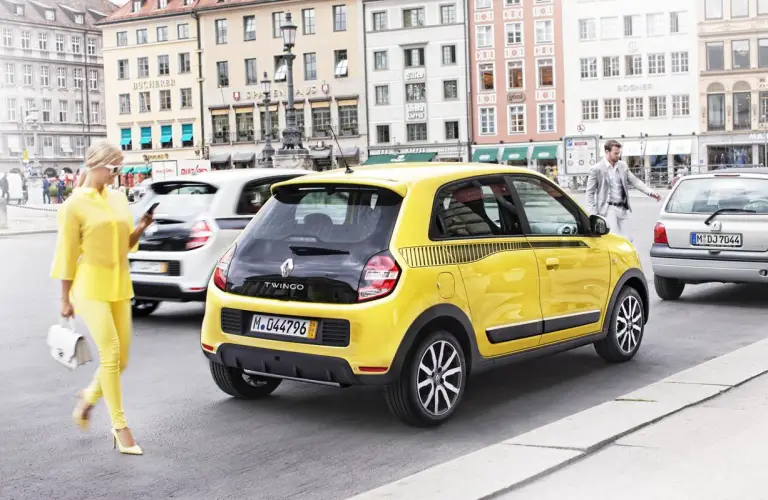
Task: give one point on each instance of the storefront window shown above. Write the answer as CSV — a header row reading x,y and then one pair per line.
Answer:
x,y
741,111
716,112
245,127
220,129
273,118
721,156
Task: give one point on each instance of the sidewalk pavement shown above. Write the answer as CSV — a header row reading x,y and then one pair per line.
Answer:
x,y
678,438
715,450
30,219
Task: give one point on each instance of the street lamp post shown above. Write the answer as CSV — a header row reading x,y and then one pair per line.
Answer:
x,y
268,151
291,134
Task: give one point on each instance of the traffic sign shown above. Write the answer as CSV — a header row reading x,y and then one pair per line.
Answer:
x,y
580,154
581,128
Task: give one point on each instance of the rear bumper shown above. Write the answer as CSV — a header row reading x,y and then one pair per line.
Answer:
x,y
166,292
702,266
299,366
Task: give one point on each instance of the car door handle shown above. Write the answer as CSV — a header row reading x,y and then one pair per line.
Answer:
x,y
553,263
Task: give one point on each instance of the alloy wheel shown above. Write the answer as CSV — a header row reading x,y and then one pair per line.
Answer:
x,y
439,378
629,324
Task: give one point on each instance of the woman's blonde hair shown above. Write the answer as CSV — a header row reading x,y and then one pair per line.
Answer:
x,y
101,154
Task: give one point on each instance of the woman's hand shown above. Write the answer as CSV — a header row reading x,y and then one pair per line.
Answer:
x,y
67,309
146,220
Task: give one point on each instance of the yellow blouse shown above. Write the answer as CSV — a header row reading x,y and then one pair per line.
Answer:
x,y
92,246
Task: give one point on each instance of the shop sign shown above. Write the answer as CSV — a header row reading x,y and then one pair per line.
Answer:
x,y
413,74
301,92
416,112
154,84
440,150
163,169
757,137
516,98
158,156
193,167
634,87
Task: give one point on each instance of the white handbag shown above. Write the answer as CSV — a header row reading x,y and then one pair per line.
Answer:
x,y
67,346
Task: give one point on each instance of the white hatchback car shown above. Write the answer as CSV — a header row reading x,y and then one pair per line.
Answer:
x,y
197,219
713,228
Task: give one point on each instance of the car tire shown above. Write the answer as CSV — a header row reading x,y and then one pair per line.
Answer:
x,y
143,308
241,385
625,330
438,397
668,288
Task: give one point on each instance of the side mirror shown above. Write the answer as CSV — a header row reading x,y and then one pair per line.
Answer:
x,y
598,225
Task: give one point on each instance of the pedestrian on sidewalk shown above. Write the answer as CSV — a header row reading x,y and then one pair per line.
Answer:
x,y
4,187
46,190
608,192
96,233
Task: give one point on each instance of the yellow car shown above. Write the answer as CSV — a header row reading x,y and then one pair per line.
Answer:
x,y
414,277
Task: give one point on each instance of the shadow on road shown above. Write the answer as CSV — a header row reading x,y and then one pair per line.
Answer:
x,y
753,296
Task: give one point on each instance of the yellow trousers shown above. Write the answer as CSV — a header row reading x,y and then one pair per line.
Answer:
x,y
110,326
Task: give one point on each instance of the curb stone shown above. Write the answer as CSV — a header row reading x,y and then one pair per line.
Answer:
x,y
515,462
25,232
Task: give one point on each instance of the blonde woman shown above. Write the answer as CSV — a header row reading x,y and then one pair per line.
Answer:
x,y
96,232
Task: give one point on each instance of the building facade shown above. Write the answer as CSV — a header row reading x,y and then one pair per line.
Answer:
x,y
517,80
152,66
630,73
52,92
416,67
733,54
242,41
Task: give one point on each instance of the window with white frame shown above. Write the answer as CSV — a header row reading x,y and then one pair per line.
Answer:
x,y
26,40
79,146
678,22
680,62
657,64
61,77
451,130
95,112
447,14
611,66
29,106
545,31
510,3
657,106
379,21
484,35
91,46
590,110
142,37
42,41
416,132
413,18
762,6
486,75
165,100
76,44
516,75
122,38
450,89
79,19
739,8
142,67
588,67
635,107
93,79
47,145
182,31
612,109
449,55
609,28
631,26
516,119
545,72
587,29
125,104
79,114
163,65
546,118
45,76
78,78
483,4
681,105
514,33
10,104
63,110
10,74
145,102
60,43
487,121
382,134
382,95
655,24
222,33
633,65
415,92
713,9
29,77
380,60
47,111
185,98
7,37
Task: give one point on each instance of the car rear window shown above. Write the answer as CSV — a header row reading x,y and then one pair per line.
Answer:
x,y
179,199
336,214
706,195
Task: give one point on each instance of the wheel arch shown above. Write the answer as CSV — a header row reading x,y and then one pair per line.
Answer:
x,y
439,317
633,278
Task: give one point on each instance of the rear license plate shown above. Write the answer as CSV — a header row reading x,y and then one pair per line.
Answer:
x,y
726,240
147,267
291,327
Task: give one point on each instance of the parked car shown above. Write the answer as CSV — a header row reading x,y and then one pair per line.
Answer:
x,y
712,228
196,220
414,277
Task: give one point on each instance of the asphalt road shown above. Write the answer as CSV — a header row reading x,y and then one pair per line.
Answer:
x,y
305,441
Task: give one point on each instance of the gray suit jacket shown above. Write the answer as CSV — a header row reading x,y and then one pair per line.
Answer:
x,y
599,186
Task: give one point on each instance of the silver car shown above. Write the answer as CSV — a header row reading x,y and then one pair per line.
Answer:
x,y
713,228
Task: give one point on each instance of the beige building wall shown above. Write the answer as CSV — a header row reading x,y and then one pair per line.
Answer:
x,y
177,116
325,89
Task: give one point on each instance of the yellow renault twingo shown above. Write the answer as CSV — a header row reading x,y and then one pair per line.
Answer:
x,y
414,277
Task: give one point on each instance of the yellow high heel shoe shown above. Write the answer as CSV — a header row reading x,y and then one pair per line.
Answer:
x,y
127,450
79,417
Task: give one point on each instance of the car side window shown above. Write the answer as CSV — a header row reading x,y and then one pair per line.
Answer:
x,y
548,210
478,208
254,195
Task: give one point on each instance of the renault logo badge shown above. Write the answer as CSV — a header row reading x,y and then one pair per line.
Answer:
x,y
717,226
286,268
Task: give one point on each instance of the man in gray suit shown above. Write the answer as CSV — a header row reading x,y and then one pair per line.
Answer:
x,y
608,192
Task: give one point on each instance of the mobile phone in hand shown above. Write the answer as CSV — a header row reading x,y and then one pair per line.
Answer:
x,y
151,210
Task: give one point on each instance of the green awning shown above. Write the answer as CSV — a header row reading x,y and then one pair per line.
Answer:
x,y
126,170
544,152
146,140
419,157
487,155
166,134
516,153
142,170
125,141
378,159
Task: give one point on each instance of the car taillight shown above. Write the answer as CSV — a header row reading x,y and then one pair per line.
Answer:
x,y
222,268
379,277
199,235
660,234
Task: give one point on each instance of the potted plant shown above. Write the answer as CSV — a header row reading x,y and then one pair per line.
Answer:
x,y
53,192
